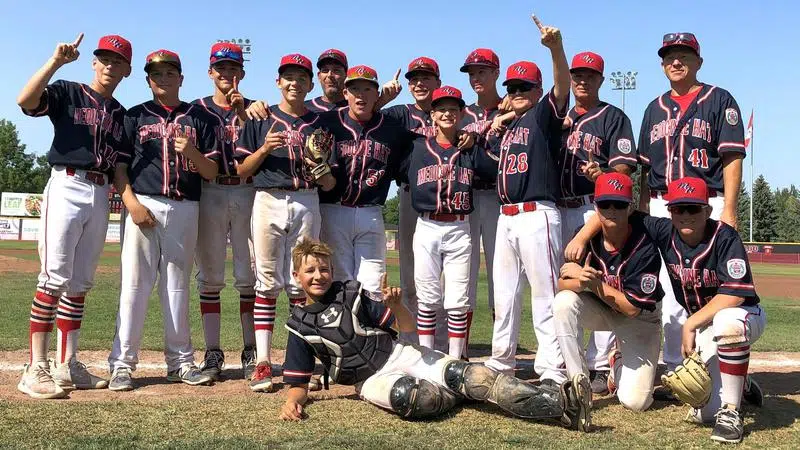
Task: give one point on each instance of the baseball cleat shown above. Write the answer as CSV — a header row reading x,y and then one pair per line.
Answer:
x,y
189,374
693,416
248,362
752,392
74,375
213,363
121,380
37,382
262,378
729,426
578,403
600,381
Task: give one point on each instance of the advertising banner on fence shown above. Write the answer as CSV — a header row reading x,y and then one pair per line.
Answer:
x,y
9,228
20,204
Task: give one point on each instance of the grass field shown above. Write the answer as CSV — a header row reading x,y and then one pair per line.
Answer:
x,y
246,420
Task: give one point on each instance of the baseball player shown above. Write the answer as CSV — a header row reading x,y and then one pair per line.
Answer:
x,y
173,147
341,318
331,72
367,152
225,208
616,288
87,121
286,207
440,175
483,67
692,130
529,227
597,138
712,280
423,79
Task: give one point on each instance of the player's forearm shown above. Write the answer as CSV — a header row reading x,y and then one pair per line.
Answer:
x,y
403,319
706,314
561,77
616,299
298,393
588,231
123,186
206,167
732,180
32,91
569,284
250,165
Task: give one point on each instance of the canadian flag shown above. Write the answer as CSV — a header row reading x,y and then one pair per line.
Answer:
x,y
748,133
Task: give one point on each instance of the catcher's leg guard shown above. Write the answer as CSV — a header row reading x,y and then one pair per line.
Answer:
x,y
413,398
478,382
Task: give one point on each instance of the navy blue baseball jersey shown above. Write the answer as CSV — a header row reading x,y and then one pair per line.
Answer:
x,y
441,176
690,143
479,120
605,132
227,132
528,152
284,167
412,118
299,363
88,128
632,270
366,157
319,105
717,265
154,167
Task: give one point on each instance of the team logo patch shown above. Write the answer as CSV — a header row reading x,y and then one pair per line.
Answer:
x,y
588,59
731,116
624,146
649,283
686,187
520,70
737,268
615,184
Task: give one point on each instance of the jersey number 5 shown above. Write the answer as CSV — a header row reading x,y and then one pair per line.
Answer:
x,y
516,163
699,158
461,201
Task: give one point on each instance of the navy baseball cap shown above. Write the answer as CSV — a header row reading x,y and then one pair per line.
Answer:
x,y
613,186
687,191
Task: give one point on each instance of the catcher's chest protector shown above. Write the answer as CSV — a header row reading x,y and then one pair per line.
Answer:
x,y
351,351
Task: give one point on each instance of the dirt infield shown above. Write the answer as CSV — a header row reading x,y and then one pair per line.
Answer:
x,y
150,377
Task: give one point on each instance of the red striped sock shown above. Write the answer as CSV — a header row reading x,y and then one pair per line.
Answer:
x,y
43,315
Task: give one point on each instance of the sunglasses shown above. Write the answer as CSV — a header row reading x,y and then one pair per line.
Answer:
x,y
228,54
685,209
675,38
615,204
520,88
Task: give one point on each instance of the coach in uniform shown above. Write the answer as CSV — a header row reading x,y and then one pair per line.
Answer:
x,y
692,130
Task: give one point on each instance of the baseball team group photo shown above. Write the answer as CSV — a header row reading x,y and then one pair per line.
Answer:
x,y
272,246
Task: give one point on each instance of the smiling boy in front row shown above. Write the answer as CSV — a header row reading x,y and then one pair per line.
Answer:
x,y
355,338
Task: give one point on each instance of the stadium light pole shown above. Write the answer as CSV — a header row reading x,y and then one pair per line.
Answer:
x,y
245,43
623,81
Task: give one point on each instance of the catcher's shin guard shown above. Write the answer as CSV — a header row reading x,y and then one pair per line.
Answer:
x,y
413,398
478,382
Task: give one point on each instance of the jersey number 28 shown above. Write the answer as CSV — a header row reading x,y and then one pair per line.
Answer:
x,y
516,163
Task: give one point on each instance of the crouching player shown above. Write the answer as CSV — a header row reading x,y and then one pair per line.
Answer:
x,y
616,289
711,277
355,338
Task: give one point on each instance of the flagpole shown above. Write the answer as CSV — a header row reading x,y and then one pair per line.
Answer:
x,y
752,157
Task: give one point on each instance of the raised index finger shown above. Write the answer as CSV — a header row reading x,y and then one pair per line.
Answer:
x,y
397,75
78,40
235,83
588,258
537,22
384,280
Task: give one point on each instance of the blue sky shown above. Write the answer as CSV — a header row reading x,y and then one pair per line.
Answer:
x,y
743,44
